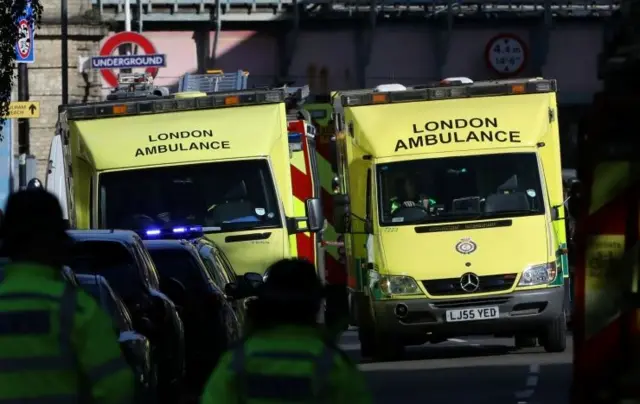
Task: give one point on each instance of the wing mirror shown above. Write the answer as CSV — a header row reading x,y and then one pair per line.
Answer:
x,y
248,285
312,222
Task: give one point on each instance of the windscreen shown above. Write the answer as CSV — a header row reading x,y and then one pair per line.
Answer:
x,y
459,188
112,260
220,196
179,264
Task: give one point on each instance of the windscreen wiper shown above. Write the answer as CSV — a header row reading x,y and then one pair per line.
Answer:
x,y
519,212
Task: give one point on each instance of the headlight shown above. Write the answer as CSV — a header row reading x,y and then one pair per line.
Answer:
x,y
396,285
539,274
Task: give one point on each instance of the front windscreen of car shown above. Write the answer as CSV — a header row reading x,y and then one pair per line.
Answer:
x,y
179,264
459,188
220,196
112,260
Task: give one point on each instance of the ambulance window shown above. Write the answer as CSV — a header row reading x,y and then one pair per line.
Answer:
x,y
459,188
368,196
230,195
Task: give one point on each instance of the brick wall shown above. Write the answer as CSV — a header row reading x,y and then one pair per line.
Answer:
x,y
45,79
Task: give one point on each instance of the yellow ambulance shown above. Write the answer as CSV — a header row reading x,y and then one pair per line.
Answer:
x,y
187,163
452,205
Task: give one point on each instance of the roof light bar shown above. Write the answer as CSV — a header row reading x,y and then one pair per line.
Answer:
x,y
156,233
172,103
449,90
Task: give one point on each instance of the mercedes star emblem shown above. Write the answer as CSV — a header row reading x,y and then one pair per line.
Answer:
x,y
469,282
466,246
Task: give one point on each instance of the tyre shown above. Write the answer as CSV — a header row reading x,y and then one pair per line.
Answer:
x,y
387,348
367,342
554,335
525,341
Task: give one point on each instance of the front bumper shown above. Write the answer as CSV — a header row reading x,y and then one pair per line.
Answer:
x,y
520,312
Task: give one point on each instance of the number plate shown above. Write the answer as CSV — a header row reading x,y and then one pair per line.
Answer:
x,y
472,314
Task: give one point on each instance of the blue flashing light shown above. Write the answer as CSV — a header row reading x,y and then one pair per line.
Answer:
x,y
173,232
153,232
295,137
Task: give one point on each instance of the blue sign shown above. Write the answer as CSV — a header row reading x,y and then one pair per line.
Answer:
x,y
128,61
25,47
6,163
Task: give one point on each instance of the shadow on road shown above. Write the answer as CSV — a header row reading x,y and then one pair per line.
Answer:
x,y
492,384
430,352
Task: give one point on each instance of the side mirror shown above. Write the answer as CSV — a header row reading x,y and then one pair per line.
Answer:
x,y
315,217
246,286
555,210
312,222
254,279
341,213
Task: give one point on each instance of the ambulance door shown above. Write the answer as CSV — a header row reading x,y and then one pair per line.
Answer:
x,y
55,182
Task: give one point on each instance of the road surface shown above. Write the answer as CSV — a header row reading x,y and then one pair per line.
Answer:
x,y
468,371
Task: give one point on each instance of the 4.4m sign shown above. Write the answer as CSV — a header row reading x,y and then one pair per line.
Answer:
x,y
107,62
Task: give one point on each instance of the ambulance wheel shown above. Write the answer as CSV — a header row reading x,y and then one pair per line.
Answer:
x,y
367,342
554,335
387,348
524,341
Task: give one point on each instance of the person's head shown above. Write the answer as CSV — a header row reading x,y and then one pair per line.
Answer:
x,y
34,183
34,229
291,294
406,187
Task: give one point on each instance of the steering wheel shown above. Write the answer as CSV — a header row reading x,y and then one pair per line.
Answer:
x,y
411,213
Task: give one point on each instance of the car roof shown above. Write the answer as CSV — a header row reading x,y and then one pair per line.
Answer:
x,y
199,242
89,279
168,245
123,236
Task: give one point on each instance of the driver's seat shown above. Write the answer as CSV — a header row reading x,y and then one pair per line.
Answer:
x,y
235,205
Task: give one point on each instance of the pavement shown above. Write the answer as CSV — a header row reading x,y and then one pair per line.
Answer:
x,y
474,370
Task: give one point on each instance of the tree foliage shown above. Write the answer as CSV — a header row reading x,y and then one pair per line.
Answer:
x,y
10,11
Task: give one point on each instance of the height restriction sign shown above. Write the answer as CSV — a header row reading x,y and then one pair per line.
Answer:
x,y
506,54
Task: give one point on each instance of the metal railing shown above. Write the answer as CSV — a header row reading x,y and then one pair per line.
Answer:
x,y
265,10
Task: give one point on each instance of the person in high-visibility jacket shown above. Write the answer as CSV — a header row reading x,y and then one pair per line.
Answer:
x,y
287,357
56,344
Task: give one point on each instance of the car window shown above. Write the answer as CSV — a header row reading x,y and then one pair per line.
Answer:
x,y
226,265
181,265
124,315
150,270
108,303
206,253
110,259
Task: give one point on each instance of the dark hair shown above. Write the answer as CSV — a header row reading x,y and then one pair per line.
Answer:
x,y
33,217
292,294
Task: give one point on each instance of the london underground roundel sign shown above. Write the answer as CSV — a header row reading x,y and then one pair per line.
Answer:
x,y
506,54
107,62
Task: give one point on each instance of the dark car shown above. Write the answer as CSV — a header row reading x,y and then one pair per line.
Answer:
x,y
122,259
210,321
221,271
135,347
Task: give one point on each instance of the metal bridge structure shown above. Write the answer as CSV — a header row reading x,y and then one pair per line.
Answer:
x,y
288,17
